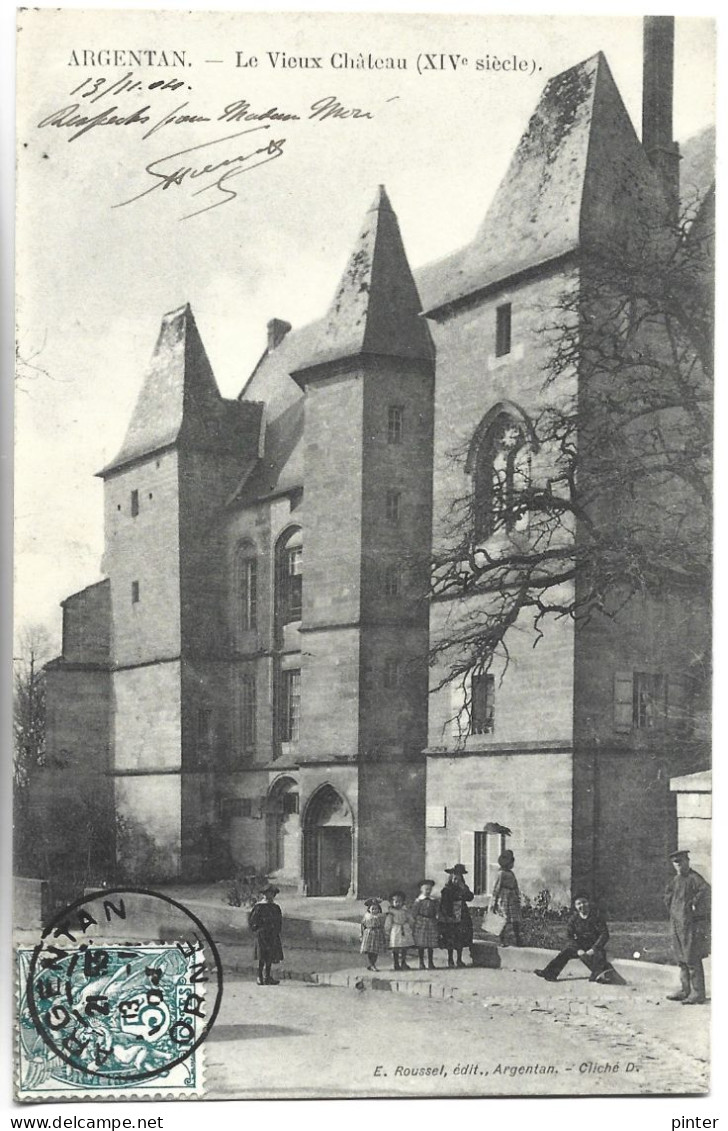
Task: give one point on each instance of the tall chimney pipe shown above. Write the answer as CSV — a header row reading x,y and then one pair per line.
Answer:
x,y
657,94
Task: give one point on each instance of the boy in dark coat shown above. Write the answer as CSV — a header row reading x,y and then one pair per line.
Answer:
x,y
265,921
587,933
688,900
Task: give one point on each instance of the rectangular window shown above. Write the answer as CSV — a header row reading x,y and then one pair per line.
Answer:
x,y
204,734
294,582
640,701
482,704
247,714
391,672
249,594
487,848
395,422
392,581
134,504
393,506
648,701
135,592
290,709
480,864
503,330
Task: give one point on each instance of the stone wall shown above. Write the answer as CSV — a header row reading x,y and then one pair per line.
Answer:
x,y
87,625
144,548
147,717
529,793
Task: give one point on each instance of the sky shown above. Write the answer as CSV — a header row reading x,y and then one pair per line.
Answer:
x,y
94,278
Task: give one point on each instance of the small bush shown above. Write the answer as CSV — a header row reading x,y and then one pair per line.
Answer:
x,y
245,887
541,922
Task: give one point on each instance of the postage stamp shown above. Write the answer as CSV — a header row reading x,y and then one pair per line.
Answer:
x,y
104,1016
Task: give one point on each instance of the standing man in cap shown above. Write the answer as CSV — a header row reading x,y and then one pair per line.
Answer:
x,y
456,926
265,921
688,900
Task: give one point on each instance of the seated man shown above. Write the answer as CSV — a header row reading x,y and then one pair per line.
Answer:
x,y
588,935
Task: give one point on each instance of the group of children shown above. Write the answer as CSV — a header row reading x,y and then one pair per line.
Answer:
x,y
429,923
432,923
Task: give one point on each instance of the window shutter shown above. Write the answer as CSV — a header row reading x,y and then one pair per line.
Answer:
x,y
623,701
467,854
459,695
677,701
496,843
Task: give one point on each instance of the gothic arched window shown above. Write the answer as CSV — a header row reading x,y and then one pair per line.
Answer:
x,y
500,463
289,576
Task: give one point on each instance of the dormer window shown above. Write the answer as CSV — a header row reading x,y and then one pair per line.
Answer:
x,y
503,330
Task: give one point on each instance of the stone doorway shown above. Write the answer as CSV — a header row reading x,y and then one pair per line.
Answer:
x,y
283,831
327,840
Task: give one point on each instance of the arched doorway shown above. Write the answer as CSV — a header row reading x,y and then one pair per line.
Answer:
x,y
327,843
283,830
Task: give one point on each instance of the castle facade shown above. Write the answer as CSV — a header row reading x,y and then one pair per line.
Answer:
x,y
251,686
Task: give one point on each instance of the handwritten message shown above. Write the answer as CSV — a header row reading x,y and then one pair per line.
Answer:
x,y
204,171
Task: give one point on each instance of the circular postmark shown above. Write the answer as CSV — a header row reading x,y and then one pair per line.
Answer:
x,y
112,1003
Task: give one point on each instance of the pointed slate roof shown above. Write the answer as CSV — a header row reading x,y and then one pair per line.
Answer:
x,y
376,308
179,401
578,177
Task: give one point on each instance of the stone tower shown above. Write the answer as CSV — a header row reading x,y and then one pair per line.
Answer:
x,y
368,496
183,453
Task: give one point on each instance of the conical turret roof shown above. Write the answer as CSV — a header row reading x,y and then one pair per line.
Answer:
x,y
179,400
376,308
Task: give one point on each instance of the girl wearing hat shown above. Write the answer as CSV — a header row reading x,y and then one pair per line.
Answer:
x,y
373,941
425,911
507,897
398,929
456,926
265,921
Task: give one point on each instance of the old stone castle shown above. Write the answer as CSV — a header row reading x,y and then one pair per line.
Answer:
x,y
249,686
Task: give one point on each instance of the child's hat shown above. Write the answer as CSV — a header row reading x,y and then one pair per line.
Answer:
x,y
457,870
421,883
372,900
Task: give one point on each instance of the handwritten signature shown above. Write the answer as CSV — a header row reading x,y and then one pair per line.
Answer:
x,y
167,171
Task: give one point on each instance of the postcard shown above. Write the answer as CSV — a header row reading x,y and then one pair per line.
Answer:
x,y
362,650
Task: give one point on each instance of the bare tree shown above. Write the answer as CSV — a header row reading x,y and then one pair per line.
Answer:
x,y
605,492
29,729
29,714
